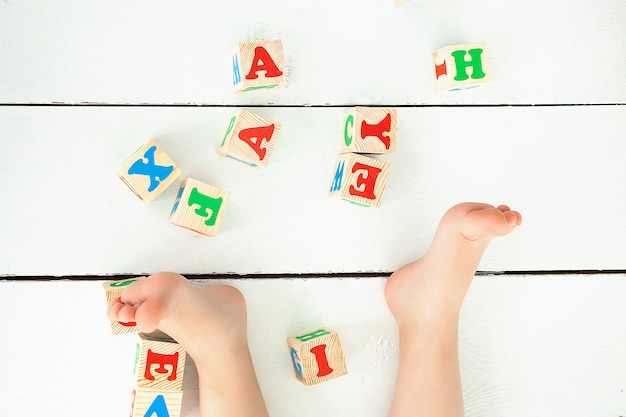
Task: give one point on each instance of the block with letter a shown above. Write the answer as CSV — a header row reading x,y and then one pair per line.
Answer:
x,y
258,65
250,138
459,67
317,356
359,179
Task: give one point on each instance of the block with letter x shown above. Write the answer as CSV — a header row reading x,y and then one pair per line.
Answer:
x,y
317,356
250,138
148,171
458,67
369,130
258,65
359,179
199,207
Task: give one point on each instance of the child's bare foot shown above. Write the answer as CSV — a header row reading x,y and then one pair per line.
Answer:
x,y
425,297
211,325
437,282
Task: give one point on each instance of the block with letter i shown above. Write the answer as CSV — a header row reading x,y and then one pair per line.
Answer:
x,y
458,67
199,207
258,65
148,171
250,139
317,356
359,179
113,290
370,130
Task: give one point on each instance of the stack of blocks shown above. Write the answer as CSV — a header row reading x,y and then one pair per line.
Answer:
x,y
159,366
149,171
358,178
451,64
317,356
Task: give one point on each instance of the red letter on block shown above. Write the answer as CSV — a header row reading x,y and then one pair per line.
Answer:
x,y
161,360
260,134
262,61
378,130
365,181
322,361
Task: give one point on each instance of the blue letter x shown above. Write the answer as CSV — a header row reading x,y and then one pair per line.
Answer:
x,y
157,173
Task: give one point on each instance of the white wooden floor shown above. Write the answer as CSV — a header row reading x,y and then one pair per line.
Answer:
x,y
84,83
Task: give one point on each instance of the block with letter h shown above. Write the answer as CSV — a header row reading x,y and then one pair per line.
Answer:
x,y
359,179
148,171
113,290
459,67
199,207
250,139
370,130
317,356
159,371
258,65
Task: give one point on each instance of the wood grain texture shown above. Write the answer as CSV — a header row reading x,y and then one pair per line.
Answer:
x,y
347,53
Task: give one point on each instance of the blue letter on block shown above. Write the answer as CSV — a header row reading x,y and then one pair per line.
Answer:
x,y
296,365
158,407
156,173
336,186
236,72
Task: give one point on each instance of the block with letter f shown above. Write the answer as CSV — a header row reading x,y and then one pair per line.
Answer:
x,y
459,67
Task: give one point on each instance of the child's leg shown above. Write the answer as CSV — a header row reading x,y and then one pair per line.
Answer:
x,y
426,296
211,325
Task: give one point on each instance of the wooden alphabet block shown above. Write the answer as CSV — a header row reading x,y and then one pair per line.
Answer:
x,y
370,130
113,290
156,402
258,65
250,138
148,171
199,207
317,356
359,179
159,362
458,67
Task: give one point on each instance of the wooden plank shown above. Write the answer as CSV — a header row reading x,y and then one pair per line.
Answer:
x,y
529,346
65,212
369,52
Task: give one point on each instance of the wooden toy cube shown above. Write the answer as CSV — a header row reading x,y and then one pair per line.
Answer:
x,y
258,65
459,67
159,362
317,356
370,130
156,402
359,179
250,138
113,290
148,171
199,207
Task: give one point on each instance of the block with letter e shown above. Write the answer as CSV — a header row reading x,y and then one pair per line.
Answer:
x,y
317,356
148,171
156,402
459,67
159,362
199,207
258,65
113,290
250,138
359,179
369,130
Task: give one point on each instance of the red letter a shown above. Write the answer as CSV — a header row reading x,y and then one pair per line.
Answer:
x,y
262,61
260,134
